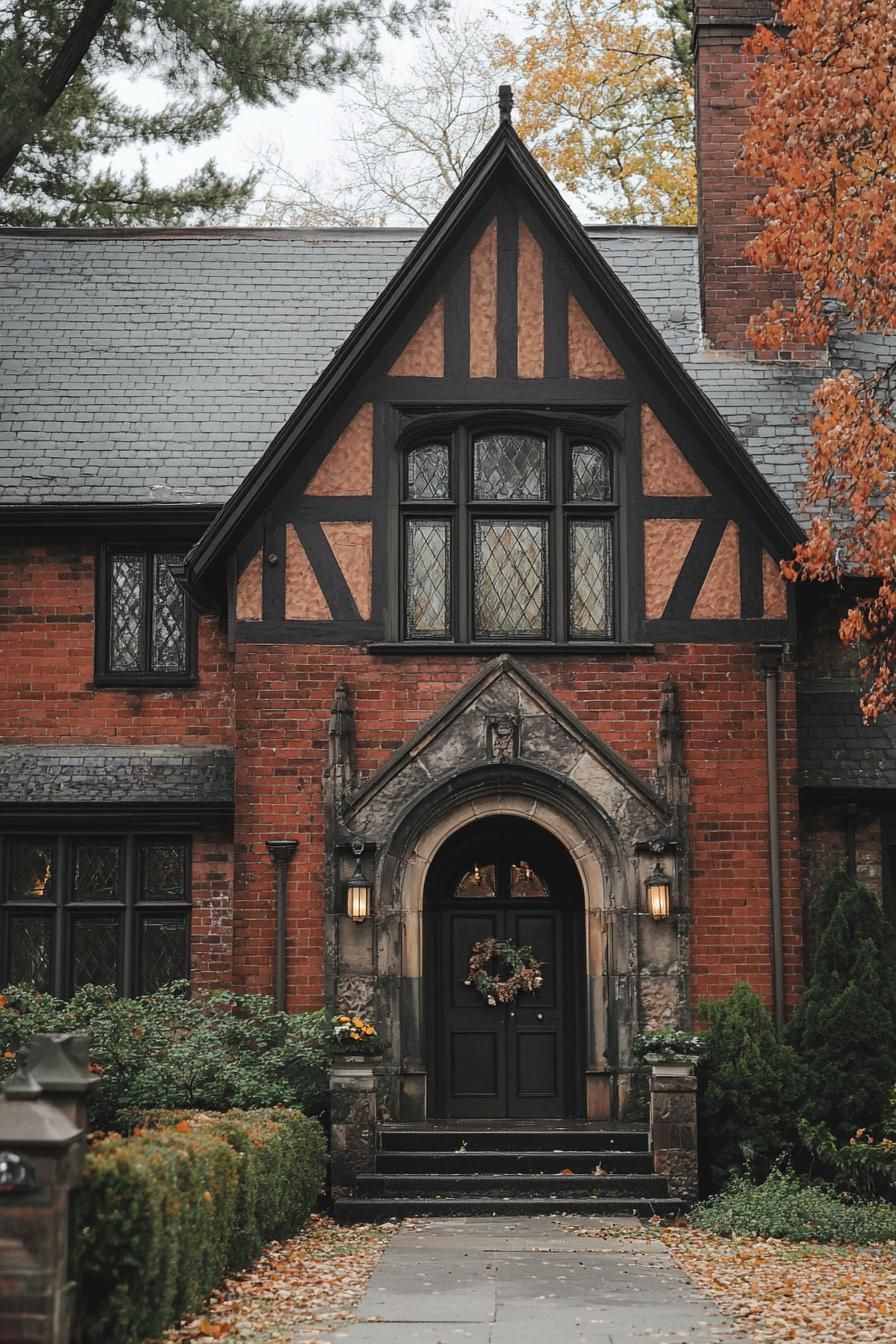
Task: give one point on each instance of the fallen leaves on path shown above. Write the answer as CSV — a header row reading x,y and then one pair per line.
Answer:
x,y
782,1291
314,1280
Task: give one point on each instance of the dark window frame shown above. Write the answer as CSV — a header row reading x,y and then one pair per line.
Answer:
x,y
103,674
559,510
61,909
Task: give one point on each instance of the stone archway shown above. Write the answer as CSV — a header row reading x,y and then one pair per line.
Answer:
x,y
506,747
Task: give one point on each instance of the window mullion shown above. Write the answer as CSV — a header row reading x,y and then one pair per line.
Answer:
x,y
557,545
463,560
148,600
63,869
127,938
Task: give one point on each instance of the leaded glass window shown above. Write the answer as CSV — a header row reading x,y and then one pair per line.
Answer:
x,y
509,571
146,618
428,472
108,910
591,579
428,577
508,535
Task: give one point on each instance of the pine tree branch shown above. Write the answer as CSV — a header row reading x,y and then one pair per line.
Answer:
x,y
48,89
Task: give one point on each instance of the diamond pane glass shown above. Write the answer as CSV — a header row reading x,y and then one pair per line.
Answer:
x,y
163,872
162,951
509,466
509,577
29,950
94,952
126,651
591,579
428,578
428,472
478,882
591,472
169,617
97,873
31,872
524,881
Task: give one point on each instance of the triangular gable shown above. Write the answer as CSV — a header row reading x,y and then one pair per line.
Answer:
x,y
476,695
607,329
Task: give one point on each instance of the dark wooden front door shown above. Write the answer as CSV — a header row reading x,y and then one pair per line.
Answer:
x,y
516,1060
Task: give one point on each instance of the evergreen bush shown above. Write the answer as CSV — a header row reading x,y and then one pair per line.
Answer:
x,y
209,1051
162,1216
751,1090
845,1025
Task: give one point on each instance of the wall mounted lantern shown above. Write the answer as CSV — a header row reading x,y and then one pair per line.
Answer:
x,y
658,888
357,900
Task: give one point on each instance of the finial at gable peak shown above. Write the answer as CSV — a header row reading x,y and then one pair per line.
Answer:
x,y
505,104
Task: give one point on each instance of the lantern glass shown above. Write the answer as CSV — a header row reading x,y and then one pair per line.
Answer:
x,y
358,896
658,887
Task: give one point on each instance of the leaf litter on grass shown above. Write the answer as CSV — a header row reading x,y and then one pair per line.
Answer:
x,y
315,1280
781,1291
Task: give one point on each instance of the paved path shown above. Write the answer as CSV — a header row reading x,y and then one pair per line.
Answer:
x,y
549,1280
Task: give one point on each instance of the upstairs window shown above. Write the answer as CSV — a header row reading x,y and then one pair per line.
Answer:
x,y
145,631
509,535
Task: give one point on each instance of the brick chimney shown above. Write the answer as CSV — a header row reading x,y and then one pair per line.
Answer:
x,y
731,291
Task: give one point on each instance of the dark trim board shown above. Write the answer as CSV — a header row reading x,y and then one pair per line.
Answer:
x,y
101,815
305,632
183,523
532,649
718,631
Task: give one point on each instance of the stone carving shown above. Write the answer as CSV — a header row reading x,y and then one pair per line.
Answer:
x,y
355,994
504,737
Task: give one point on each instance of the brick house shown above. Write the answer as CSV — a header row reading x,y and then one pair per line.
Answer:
x,y
480,529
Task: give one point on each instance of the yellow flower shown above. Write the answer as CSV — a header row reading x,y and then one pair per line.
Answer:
x,y
342,1019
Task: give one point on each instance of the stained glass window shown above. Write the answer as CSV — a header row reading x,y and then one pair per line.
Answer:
x,y
163,871
478,882
94,951
518,541
97,872
163,951
428,476
428,578
147,618
30,941
591,579
509,562
590,471
509,466
79,910
525,882
31,871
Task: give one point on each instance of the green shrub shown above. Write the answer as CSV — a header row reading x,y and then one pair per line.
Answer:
x,y
212,1051
845,1025
783,1206
751,1090
864,1167
160,1217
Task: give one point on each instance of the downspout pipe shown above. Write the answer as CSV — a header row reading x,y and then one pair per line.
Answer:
x,y
281,851
771,655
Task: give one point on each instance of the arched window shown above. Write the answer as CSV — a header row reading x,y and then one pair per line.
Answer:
x,y
508,534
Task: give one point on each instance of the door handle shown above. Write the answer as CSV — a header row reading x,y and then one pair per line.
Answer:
x,y
540,1017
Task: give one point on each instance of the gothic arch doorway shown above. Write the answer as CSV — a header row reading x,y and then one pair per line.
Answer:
x,y
506,878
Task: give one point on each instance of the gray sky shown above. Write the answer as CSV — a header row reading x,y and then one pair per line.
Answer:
x,y
306,128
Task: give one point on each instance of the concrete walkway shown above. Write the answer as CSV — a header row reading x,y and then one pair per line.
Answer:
x,y
548,1280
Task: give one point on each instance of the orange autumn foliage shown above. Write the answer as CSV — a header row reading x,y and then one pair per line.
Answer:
x,y
823,133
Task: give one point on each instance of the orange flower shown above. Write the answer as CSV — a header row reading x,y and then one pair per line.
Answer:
x,y
3,1001
9,1054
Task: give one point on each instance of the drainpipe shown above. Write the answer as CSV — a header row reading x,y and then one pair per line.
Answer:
x,y
851,811
771,655
281,851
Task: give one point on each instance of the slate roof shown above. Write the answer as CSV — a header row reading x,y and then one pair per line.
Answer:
x,y
157,367
836,749
100,774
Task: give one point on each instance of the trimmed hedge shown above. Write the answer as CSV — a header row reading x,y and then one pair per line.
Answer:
x,y
162,1216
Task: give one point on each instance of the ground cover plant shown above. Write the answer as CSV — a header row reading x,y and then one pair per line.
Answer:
x,y
210,1052
790,1208
163,1215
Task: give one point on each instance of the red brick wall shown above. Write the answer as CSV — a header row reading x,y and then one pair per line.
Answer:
x,y
731,290
284,695
211,931
47,693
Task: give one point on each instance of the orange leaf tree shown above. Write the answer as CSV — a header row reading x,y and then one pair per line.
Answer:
x,y
823,133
